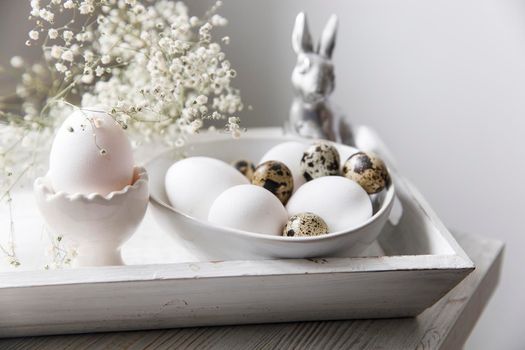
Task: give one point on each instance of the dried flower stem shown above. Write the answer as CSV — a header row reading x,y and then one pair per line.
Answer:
x,y
9,250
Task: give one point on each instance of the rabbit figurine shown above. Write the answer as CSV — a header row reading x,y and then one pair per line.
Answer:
x,y
311,115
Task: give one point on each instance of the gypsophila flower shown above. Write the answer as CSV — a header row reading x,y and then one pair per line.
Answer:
x,y
67,56
16,62
99,71
52,33
33,35
89,56
56,51
233,127
194,21
218,20
69,4
169,69
60,67
67,35
61,253
35,8
202,99
155,68
86,7
106,59
88,77
195,126
46,15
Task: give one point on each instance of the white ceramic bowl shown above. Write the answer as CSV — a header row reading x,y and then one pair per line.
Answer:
x,y
209,242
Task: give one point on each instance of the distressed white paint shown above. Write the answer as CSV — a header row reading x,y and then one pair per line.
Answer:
x,y
445,325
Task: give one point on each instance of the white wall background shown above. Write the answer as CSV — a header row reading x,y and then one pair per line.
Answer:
x,y
443,82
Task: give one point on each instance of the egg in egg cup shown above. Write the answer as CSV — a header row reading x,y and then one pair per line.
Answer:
x,y
93,195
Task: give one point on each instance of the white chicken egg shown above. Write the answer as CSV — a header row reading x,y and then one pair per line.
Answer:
x,y
90,154
192,184
249,208
341,202
289,153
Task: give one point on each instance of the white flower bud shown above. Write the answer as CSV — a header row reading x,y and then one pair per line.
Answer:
x,y
105,59
99,71
67,35
53,33
35,4
218,20
34,35
60,67
87,78
16,62
194,21
69,4
201,99
67,56
46,15
56,51
195,125
89,56
85,8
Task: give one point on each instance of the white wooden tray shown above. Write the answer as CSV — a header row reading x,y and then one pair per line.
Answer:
x,y
415,262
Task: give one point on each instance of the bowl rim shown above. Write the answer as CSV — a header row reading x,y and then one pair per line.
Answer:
x,y
388,201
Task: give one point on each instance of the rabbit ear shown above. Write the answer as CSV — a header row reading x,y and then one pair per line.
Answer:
x,y
327,43
301,39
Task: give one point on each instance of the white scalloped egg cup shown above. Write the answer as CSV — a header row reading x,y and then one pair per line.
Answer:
x,y
97,226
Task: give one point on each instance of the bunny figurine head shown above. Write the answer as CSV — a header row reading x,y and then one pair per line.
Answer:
x,y
313,75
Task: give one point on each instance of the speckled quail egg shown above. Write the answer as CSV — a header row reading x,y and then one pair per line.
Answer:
x,y
290,154
276,178
320,159
305,224
367,170
245,167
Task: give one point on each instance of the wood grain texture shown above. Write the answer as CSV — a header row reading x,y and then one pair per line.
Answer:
x,y
445,325
219,301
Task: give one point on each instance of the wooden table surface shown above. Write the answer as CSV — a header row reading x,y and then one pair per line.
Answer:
x,y
445,325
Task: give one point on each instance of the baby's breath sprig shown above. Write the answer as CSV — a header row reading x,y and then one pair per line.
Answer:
x,y
61,255
172,76
156,69
9,249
